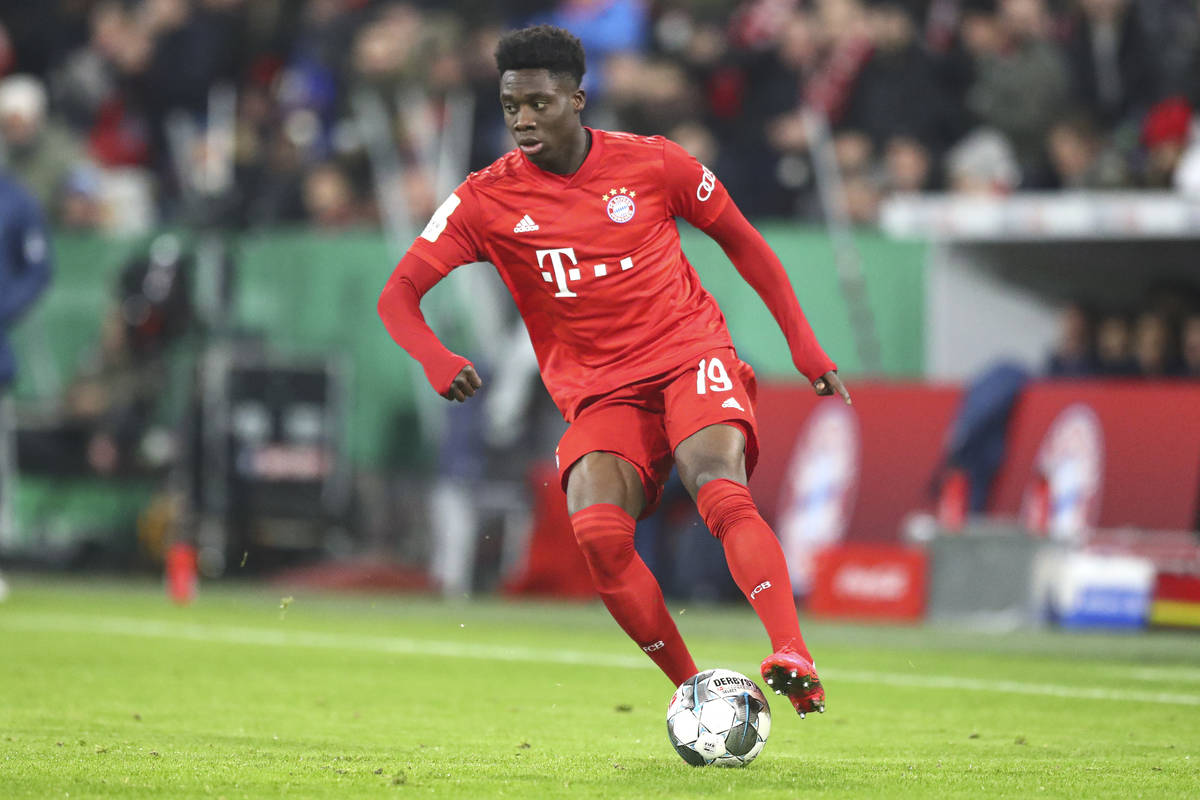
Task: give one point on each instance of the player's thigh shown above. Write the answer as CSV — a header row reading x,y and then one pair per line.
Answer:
x,y
710,420
714,452
615,453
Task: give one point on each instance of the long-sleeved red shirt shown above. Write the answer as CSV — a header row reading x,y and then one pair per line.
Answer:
x,y
594,263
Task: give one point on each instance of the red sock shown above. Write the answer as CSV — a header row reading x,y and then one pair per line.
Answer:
x,y
628,588
755,559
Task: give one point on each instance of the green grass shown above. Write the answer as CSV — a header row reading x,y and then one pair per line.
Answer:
x,y
108,691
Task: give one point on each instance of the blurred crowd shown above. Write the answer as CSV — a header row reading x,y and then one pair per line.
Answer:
x,y
1161,340
124,114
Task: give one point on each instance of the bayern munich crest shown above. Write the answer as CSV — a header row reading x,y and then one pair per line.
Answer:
x,y
620,204
1070,461
817,495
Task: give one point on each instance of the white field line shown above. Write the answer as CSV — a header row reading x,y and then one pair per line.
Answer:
x,y
1169,674
228,634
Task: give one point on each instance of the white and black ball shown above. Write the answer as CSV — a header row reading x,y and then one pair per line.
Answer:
x,y
718,717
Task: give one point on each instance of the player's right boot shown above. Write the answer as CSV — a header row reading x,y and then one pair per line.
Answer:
x,y
793,675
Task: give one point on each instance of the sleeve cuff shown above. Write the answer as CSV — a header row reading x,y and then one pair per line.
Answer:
x,y
440,376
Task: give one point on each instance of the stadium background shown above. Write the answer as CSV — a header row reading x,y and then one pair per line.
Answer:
x,y
991,215
970,197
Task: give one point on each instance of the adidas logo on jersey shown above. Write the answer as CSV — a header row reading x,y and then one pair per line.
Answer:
x,y
525,225
732,403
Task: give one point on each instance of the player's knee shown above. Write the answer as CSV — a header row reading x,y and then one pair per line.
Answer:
x,y
698,475
607,548
602,478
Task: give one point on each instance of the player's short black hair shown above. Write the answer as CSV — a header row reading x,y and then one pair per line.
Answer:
x,y
555,50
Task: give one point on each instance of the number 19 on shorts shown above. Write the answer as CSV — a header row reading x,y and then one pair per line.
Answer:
x,y
712,377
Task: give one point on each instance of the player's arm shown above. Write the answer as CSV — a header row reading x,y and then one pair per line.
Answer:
x,y
450,375
446,242
697,196
758,265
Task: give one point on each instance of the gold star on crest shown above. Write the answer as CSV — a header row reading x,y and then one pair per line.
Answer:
x,y
614,192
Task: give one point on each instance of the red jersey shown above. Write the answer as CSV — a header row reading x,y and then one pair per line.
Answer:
x,y
592,259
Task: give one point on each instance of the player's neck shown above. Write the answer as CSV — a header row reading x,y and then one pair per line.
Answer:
x,y
576,156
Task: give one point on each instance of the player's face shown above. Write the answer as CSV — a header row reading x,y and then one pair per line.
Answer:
x,y
542,113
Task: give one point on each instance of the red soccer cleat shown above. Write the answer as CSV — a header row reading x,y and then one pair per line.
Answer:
x,y
791,674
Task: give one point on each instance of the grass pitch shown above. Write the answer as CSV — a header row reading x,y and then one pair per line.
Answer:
x,y
108,691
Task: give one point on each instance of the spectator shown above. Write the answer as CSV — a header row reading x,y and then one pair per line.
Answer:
x,y
697,140
1166,132
1152,345
847,39
39,152
1190,345
1072,356
606,28
1187,171
1021,80
1112,63
116,397
648,97
1113,351
134,78
982,164
1079,157
898,92
80,204
330,200
861,188
772,138
908,165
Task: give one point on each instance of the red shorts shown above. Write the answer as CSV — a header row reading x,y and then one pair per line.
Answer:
x,y
644,422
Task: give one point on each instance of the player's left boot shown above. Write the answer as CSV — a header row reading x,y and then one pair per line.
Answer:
x,y
793,675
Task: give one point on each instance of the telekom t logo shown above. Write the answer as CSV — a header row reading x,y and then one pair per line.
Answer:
x,y
563,275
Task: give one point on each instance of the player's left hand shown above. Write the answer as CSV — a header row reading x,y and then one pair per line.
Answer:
x,y
829,383
465,384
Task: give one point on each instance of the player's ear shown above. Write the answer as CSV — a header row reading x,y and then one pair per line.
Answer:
x,y
579,100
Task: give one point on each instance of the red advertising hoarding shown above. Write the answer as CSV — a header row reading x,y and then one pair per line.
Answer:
x,y
1130,452
870,581
898,432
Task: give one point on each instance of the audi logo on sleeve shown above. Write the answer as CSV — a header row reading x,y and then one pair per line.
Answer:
x,y
708,182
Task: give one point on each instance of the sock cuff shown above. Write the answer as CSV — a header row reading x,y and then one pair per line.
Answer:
x,y
715,493
602,518
724,505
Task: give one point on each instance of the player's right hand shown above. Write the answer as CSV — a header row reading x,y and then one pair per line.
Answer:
x,y
829,384
464,385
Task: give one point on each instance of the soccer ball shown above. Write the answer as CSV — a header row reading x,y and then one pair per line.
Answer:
x,y
718,717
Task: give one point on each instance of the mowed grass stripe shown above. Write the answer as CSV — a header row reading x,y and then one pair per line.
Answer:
x,y
227,634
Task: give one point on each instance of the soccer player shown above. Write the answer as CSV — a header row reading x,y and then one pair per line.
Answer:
x,y
580,224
